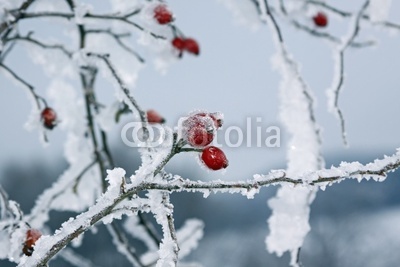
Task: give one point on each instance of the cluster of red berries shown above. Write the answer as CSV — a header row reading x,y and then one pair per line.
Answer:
x,y
32,235
164,16
320,19
49,118
199,131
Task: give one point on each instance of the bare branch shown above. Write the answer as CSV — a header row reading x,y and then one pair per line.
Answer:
x,y
118,38
79,177
121,241
338,81
27,85
29,39
329,37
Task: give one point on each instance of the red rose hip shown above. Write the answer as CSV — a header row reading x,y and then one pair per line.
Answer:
x,y
214,158
198,130
154,117
178,43
49,118
162,14
32,235
199,136
191,46
320,19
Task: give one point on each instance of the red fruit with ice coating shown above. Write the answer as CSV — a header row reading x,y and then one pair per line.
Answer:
x,y
320,19
49,118
154,117
198,130
199,137
32,235
216,117
162,14
214,158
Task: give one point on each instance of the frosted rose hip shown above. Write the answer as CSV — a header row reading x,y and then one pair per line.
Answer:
x,y
198,130
49,118
32,235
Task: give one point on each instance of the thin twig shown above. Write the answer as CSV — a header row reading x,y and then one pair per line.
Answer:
x,y
29,39
338,82
149,228
122,18
79,177
3,54
122,85
327,36
26,84
349,14
122,244
118,38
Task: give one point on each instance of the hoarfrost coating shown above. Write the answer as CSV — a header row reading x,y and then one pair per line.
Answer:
x,y
107,47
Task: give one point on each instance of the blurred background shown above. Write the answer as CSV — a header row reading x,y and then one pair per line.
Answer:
x,y
353,224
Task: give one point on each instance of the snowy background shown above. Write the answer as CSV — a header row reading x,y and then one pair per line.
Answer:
x,y
352,224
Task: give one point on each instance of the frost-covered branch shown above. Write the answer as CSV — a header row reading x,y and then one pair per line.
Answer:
x,y
169,248
131,100
17,14
297,115
377,170
116,17
337,84
320,34
48,246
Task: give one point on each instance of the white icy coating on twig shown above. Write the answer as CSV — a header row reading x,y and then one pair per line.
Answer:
x,y
290,208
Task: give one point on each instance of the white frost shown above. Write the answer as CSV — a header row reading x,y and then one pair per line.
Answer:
x,y
115,177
